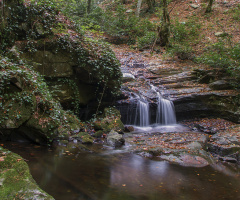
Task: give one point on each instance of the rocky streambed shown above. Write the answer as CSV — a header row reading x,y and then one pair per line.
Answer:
x,y
204,100
188,146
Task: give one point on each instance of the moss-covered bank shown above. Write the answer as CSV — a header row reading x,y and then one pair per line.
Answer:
x,y
16,181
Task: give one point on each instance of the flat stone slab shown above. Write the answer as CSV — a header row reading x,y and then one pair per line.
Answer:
x,y
186,148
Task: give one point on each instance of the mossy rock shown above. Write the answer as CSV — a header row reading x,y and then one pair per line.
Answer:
x,y
30,110
16,181
109,120
87,139
84,137
17,112
98,134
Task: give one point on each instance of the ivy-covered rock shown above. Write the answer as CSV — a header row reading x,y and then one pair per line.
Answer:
x,y
78,69
16,181
28,108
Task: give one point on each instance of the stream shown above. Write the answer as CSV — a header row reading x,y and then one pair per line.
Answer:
x,y
69,173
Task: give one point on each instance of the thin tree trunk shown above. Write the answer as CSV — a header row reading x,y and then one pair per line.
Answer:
x,y
139,3
209,7
164,29
2,13
89,6
151,4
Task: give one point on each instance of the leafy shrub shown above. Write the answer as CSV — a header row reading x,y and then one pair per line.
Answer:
x,y
183,52
115,22
236,13
183,31
181,34
147,39
219,55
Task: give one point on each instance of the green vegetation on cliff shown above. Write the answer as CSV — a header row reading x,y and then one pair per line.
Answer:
x,y
27,106
41,35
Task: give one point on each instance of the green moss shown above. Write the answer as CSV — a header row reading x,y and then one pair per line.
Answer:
x,y
110,120
87,139
98,134
16,181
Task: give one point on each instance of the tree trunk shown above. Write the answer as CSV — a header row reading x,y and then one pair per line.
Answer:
x,y
89,6
209,7
164,29
151,4
2,15
139,3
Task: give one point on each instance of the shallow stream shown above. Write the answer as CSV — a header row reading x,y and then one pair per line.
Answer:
x,y
68,173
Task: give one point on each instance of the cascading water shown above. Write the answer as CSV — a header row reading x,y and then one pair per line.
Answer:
x,y
139,112
142,113
136,112
165,110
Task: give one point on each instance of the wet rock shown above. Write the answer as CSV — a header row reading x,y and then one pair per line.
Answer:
x,y
83,137
127,77
228,159
206,129
128,128
187,160
194,146
226,143
114,139
220,85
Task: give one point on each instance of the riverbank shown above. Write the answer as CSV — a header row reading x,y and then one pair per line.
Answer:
x,y
16,182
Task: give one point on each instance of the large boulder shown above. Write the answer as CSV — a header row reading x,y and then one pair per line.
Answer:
x,y
115,139
220,85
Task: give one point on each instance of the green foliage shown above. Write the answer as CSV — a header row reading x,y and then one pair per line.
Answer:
x,y
147,40
38,26
27,22
185,31
96,58
182,34
219,55
182,51
115,21
236,12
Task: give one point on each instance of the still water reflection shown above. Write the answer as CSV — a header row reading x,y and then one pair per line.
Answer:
x,y
71,174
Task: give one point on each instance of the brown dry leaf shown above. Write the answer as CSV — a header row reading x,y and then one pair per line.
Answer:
x,y
1,159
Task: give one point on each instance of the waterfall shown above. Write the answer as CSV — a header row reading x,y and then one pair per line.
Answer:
x,y
165,110
139,112
142,113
